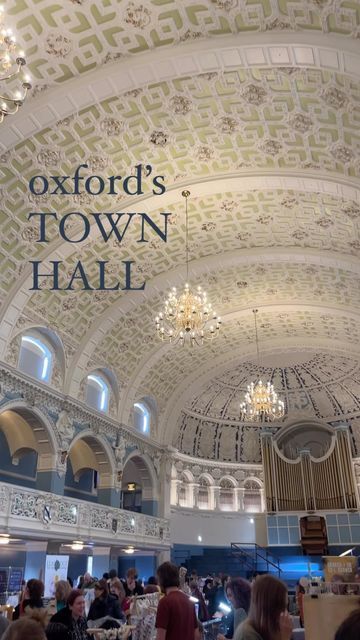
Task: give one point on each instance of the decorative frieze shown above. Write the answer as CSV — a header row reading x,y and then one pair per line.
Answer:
x,y
67,415
31,510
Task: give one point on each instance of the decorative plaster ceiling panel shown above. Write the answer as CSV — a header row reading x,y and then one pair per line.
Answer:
x,y
324,386
195,127
234,123
163,379
71,314
65,40
219,223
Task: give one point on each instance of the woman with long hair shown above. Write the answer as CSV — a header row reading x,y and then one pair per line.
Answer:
x,y
62,592
238,593
32,598
116,588
268,617
104,604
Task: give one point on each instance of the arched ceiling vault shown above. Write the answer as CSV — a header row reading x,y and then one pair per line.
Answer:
x,y
191,58
252,105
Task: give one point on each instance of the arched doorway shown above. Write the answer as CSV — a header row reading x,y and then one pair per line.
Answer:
x,y
139,486
27,446
89,470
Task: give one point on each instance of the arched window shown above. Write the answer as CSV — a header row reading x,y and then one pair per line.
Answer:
x,y
97,393
35,358
183,491
203,496
226,497
252,497
142,418
182,496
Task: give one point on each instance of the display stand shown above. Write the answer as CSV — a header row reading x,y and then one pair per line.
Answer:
x,y
123,632
324,614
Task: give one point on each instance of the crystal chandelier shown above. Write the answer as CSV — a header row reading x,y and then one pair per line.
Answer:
x,y
187,317
261,400
14,86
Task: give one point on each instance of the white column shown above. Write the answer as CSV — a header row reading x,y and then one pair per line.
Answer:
x,y
196,496
165,488
162,556
217,498
262,497
241,499
178,487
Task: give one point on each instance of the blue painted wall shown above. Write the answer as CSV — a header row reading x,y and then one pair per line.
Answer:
x,y
82,489
150,507
50,481
100,565
35,565
77,566
24,473
205,560
144,565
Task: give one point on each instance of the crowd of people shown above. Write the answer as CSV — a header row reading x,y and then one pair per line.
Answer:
x,y
259,610
64,618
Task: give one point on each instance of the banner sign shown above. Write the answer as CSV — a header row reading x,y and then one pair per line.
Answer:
x,y
3,580
337,567
16,575
56,568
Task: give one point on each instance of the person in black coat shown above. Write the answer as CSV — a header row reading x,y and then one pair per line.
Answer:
x,y
73,617
105,604
33,594
131,585
209,591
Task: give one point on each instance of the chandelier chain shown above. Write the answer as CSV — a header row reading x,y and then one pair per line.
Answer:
x,y
255,312
186,194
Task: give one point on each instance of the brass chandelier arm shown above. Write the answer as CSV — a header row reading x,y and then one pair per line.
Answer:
x,y
187,317
261,402
12,60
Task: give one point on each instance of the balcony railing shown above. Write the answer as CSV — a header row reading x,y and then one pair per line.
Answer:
x,y
47,515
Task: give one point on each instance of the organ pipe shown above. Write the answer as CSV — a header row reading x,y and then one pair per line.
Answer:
x,y
307,483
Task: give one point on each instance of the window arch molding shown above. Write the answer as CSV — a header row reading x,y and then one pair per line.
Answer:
x,y
41,355
145,415
101,390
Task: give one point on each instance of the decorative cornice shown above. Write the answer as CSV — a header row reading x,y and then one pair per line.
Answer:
x,y
17,386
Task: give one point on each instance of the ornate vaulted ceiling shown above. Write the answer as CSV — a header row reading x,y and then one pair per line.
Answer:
x,y
252,105
314,385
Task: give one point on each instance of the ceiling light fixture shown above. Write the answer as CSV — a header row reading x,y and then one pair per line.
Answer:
x,y
77,545
129,550
261,400
14,85
4,538
187,317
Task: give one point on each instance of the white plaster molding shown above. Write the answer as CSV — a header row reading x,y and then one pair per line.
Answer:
x,y
19,295
311,50
104,323
225,361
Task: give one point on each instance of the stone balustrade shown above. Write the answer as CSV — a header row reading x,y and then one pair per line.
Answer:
x,y
25,512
